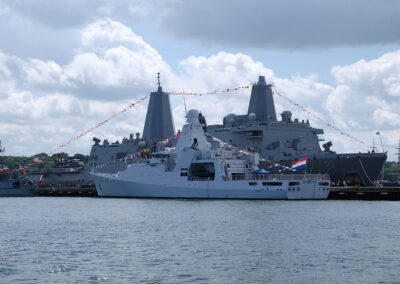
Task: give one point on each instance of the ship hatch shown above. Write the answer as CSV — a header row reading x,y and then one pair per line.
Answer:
x,y
201,171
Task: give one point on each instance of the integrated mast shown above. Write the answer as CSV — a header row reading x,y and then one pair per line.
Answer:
x,y
159,123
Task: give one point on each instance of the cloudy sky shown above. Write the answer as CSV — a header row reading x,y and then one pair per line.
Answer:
x,y
67,65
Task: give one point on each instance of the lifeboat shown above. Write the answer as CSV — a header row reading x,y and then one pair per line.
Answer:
x,y
4,172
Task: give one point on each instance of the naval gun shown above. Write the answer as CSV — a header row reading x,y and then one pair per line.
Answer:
x,y
327,146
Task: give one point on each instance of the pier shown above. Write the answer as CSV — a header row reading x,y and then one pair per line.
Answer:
x,y
336,193
67,191
364,193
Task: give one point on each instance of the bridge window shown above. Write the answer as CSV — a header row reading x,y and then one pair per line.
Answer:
x,y
202,171
120,156
272,183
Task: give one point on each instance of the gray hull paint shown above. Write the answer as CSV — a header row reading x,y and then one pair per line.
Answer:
x,y
17,191
343,167
107,187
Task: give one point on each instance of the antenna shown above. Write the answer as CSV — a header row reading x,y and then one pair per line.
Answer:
x,y
373,146
158,79
380,137
2,149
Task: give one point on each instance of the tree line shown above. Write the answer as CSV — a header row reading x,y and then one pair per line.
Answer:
x,y
15,162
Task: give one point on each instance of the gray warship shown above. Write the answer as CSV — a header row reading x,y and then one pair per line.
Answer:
x,y
15,183
289,140
66,173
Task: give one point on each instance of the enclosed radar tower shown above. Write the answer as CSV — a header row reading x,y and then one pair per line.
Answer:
x,y
159,124
261,101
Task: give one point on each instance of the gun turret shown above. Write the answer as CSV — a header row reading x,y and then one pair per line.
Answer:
x,y
327,146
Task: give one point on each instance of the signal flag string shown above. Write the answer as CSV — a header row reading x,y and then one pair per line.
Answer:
x,y
39,160
133,104
241,152
320,119
112,117
229,90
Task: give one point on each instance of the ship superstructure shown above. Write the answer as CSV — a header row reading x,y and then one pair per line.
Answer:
x,y
290,139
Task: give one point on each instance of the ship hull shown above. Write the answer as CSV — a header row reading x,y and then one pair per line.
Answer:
x,y
351,169
9,191
112,187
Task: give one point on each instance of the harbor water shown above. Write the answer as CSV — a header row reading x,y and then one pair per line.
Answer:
x,y
94,240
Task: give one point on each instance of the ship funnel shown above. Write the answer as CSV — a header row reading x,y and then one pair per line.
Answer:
x,y
159,123
261,101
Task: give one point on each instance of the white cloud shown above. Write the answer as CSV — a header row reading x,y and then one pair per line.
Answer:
x,y
112,60
283,24
45,102
369,91
379,76
389,117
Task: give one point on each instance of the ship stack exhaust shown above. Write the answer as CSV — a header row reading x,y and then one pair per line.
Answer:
x,y
261,101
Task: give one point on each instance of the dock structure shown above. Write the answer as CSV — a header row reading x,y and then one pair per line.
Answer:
x,y
336,193
364,193
67,191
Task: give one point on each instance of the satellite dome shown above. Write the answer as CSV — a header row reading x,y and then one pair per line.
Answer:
x,y
230,118
286,116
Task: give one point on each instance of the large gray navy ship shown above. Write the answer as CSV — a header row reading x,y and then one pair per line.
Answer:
x,y
290,139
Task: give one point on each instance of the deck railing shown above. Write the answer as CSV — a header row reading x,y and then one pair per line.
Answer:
x,y
283,177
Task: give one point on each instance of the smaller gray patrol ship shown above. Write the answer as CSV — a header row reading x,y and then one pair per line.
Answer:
x,y
194,170
15,183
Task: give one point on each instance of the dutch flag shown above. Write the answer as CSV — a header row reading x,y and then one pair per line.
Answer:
x,y
300,164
